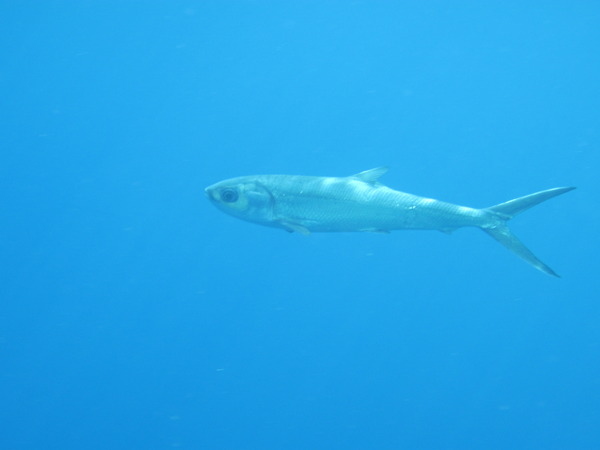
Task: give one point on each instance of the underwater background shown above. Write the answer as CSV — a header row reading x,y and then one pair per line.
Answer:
x,y
135,315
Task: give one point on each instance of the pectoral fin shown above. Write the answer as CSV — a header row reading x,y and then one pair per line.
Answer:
x,y
295,227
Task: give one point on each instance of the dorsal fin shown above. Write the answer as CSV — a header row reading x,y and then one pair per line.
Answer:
x,y
372,175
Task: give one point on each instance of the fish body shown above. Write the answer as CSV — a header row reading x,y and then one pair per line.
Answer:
x,y
360,202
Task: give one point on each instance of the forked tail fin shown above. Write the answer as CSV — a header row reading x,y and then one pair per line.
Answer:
x,y
498,229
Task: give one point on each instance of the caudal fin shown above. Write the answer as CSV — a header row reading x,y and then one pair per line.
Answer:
x,y
498,229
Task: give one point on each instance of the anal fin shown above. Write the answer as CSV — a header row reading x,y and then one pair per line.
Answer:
x,y
375,230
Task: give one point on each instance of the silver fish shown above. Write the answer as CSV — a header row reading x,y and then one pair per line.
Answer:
x,y
306,204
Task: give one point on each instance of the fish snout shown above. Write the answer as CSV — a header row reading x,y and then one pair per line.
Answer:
x,y
209,192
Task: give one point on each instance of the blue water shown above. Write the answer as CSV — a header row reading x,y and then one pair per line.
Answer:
x,y
135,315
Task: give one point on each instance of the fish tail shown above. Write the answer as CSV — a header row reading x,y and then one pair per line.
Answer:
x,y
502,213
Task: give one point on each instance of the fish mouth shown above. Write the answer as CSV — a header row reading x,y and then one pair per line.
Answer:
x,y
212,193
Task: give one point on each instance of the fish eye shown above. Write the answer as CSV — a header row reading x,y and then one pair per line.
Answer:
x,y
229,195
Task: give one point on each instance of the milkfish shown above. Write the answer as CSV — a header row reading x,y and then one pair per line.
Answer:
x,y
306,204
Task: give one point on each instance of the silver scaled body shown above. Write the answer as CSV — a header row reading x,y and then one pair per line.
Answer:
x,y
306,204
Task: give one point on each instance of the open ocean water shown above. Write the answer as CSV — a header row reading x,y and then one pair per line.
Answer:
x,y
135,315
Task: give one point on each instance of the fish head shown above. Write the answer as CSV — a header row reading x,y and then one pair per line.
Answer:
x,y
244,197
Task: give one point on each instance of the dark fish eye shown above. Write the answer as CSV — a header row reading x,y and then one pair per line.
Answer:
x,y
229,195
